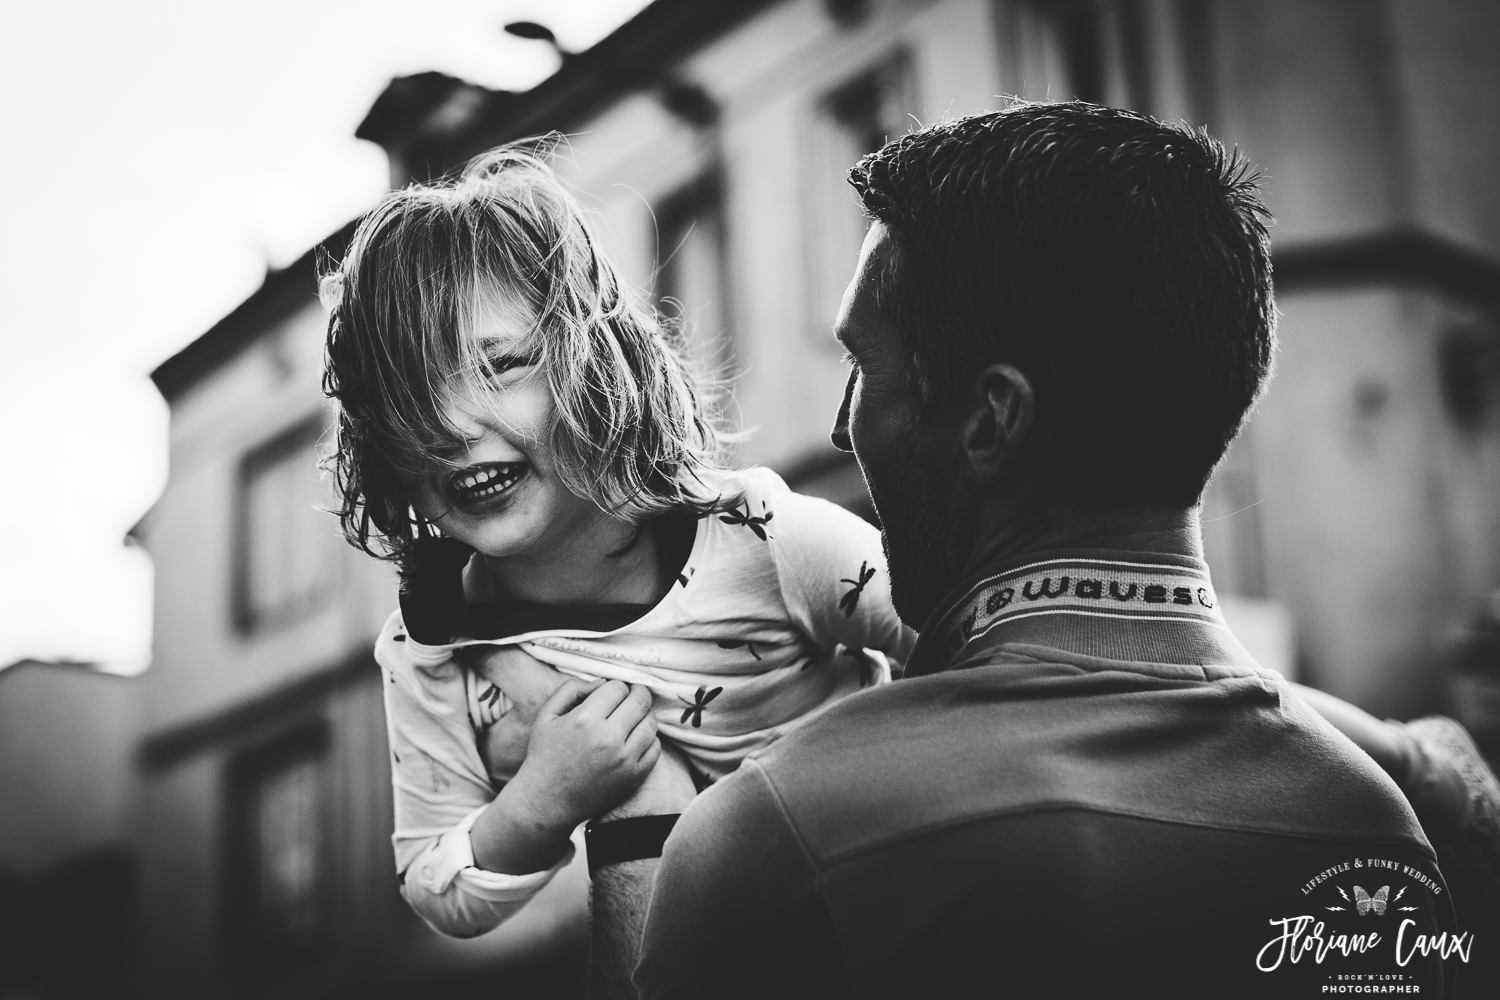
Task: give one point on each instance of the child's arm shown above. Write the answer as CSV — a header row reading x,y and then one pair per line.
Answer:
x,y
834,578
442,791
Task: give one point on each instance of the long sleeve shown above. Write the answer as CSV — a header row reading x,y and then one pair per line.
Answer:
x,y
834,578
440,788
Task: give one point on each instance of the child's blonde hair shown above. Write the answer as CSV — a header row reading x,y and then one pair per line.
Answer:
x,y
635,425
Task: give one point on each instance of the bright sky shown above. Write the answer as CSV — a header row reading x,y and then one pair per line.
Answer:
x,y
160,154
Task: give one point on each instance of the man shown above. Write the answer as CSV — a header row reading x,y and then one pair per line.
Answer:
x,y
1062,314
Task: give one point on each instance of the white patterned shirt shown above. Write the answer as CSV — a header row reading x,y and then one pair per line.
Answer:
x,y
760,632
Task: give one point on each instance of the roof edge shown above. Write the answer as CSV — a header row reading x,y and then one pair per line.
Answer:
x,y
283,292
630,58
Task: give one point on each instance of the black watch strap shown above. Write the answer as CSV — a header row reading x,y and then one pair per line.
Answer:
x,y
626,839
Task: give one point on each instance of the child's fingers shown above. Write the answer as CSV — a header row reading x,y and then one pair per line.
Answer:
x,y
635,706
642,739
565,699
647,761
603,700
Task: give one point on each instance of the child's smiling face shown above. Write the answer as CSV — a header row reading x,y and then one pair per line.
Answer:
x,y
502,495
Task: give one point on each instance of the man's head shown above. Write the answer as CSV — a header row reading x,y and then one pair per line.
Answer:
x,y
1063,302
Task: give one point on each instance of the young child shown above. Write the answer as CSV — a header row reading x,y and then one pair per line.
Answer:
x,y
524,438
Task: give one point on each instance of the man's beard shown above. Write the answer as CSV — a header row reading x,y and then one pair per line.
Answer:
x,y
915,496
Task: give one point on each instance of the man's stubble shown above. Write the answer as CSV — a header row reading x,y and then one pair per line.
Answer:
x,y
915,493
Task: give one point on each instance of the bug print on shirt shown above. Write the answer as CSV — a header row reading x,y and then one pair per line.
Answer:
x,y
856,587
437,772
755,524
737,643
695,708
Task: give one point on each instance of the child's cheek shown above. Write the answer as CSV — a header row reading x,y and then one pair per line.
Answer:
x,y
529,410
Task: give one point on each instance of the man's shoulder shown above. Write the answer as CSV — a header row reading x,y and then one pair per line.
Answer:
x,y
741,806
735,909
734,853
946,805
1238,752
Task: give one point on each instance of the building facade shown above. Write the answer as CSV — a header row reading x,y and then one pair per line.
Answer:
x,y
1350,527
67,830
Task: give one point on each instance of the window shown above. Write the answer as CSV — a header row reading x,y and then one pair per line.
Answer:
x,y
848,122
691,280
276,859
289,549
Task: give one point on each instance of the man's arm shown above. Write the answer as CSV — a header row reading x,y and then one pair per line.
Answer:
x,y
1445,778
620,893
1380,740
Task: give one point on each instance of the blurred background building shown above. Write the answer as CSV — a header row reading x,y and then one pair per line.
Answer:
x,y
242,808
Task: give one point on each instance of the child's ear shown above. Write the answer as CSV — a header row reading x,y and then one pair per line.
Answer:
x,y
999,420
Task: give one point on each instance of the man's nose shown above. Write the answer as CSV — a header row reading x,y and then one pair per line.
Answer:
x,y
840,434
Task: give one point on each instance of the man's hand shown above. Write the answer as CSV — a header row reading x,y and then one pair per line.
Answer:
x,y
590,747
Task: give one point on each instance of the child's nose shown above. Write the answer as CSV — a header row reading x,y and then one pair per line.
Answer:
x,y
465,420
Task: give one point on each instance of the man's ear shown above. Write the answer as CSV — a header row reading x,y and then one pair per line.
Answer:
x,y
998,422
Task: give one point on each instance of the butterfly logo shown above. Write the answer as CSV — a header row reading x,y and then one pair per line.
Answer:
x,y
1365,902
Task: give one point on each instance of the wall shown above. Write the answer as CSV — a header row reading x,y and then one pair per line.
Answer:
x,y
1378,512
65,768
67,801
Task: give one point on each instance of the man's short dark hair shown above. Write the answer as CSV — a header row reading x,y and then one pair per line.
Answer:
x,y
1121,263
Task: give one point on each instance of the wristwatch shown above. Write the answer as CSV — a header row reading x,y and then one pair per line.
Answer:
x,y
630,839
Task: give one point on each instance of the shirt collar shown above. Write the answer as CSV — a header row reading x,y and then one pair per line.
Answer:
x,y
1112,604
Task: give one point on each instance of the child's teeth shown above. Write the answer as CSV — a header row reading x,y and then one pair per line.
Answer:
x,y
487,481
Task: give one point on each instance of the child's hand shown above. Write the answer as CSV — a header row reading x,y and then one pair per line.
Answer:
x,y
590,748
528,683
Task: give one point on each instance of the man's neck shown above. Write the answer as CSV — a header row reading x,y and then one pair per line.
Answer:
x,y
1006,536
1009,542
